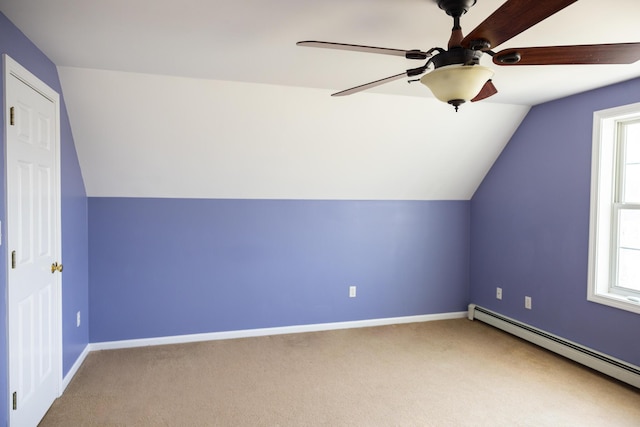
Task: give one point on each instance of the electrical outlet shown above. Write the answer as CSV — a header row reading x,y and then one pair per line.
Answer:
x,y
352,291
78,319
527,303
499,293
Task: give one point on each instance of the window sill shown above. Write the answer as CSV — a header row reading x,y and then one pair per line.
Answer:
x,y
615,300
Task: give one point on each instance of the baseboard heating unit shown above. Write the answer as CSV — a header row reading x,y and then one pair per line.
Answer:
x,y
608,365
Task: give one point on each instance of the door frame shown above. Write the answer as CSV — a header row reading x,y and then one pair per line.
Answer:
x,y
13,68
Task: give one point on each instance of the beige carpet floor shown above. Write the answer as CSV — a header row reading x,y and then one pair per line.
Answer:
x,y
442,373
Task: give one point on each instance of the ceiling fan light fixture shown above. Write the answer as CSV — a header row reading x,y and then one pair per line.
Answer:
x,y
456,84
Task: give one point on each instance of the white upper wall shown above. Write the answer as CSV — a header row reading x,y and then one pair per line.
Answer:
x,y
143,135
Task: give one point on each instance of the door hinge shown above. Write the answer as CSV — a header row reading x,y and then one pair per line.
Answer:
x,y
12,121
15,400
13,259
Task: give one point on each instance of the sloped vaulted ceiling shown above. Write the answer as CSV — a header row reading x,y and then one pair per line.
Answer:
x,y
159,136
213,99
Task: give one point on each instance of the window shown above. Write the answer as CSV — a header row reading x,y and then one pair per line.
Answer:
x,y
614,239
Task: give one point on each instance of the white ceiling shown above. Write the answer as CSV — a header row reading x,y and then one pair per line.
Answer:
x,y
256,119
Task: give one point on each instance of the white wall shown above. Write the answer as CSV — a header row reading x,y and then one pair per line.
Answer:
x,y
142,135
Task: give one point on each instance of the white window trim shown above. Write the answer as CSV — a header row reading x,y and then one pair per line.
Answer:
x,y
602,189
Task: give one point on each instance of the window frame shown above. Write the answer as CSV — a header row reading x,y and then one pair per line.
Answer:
x,y
606,170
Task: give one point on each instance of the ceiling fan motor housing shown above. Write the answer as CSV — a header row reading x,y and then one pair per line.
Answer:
x,y
460,56
456,7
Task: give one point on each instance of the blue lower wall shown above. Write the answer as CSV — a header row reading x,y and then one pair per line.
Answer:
x,y
530,226
161,267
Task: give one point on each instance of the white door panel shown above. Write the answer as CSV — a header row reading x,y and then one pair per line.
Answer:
x,y
33,236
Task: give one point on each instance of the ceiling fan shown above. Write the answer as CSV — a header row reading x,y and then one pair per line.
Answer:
x,y
455,74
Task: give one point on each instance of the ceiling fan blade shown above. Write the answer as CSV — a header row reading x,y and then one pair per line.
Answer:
x,y
409,54
619,53
512,18
369,85
487,90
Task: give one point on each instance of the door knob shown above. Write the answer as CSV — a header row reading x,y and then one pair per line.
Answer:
x,y
56,267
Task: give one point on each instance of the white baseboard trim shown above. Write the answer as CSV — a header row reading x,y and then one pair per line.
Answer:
x,y
602,362
74,369
247,333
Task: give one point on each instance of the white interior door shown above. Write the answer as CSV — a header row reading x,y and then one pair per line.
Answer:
x,y
33,237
